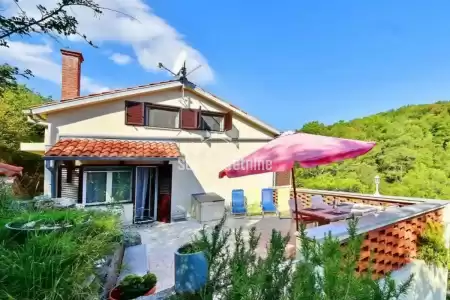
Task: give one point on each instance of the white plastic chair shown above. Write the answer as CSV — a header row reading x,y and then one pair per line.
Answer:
x,y
317,202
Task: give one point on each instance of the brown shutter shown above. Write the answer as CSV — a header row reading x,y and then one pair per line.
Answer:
x,y
134,113
283,178
228,121
190,118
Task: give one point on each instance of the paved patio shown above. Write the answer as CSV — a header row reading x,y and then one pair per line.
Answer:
x,y
165,239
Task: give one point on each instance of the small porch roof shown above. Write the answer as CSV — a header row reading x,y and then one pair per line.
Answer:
x,y
111,149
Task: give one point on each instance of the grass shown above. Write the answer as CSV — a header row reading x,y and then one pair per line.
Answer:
x,y
53,266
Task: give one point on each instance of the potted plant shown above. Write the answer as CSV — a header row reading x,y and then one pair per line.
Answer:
x,y
134,286
191,267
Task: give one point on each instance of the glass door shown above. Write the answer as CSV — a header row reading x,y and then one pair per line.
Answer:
x,y
145,207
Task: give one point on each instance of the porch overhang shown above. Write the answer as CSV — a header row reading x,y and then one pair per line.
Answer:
x,y
112,149
87,158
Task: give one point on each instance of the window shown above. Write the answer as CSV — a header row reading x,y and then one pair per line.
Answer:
x,y
161,116
106,186
211,121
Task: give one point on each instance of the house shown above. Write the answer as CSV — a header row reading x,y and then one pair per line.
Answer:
x,y
147,148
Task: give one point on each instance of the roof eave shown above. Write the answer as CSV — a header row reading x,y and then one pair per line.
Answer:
x,y
109,158
98,99
238,111
157,87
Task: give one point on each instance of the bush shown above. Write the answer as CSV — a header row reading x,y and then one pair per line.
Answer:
x,y
326,271
134,286
56,265
431,245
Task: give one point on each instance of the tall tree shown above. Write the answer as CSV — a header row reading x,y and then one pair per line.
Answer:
x,y
412,155
52,21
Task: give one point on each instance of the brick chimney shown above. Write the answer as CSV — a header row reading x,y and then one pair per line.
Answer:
x,y
71,73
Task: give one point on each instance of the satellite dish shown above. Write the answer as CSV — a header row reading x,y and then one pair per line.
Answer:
x,y
180,62
179,69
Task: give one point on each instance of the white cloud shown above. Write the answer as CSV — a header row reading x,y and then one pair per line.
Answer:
x,y
37,58
151,37
120,59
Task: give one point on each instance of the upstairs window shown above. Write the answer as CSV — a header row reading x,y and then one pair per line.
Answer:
x,y
212,121
163,116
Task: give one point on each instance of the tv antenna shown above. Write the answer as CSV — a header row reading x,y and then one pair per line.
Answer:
x,y
179,68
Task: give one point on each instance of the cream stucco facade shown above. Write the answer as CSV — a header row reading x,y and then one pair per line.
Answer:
x,y
204,154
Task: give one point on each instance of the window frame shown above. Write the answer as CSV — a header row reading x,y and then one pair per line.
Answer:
x,y
161,107
212,114
109,186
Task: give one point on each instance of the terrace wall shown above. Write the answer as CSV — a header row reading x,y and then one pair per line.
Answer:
x,y
304,195
390,239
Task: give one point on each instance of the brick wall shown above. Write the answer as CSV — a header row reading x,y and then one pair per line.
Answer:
x,y
393,246
71,74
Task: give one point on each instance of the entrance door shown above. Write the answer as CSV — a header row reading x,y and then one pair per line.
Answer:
x,y
146,193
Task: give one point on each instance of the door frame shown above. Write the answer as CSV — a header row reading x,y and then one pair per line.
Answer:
x,y
156,190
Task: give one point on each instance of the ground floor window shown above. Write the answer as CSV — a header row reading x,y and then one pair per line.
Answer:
x,y
107,186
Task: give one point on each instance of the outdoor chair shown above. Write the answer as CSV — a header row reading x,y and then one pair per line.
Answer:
x,y
317,202
296,216
238,203
267,202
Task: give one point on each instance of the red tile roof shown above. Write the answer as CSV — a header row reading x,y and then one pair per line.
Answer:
x,y
10,170
113,148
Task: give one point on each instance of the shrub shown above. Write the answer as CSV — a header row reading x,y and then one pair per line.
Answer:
x,y
56,265
326,270
431,245
133,286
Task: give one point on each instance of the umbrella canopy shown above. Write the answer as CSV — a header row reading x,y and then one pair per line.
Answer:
x,y
10,170
308,150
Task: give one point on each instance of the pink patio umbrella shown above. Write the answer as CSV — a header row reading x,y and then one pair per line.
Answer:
x,y
308,150
10,170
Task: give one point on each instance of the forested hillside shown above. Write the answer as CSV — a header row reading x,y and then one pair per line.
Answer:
x,y
15,129
412,155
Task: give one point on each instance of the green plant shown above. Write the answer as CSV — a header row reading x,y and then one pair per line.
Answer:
x,y
52,218
431,245
326,270
133,286
192,247
55,266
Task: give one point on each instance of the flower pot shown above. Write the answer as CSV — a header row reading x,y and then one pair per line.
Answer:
x,y
114,294
191,271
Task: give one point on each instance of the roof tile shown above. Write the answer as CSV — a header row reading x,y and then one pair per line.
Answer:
x,y
113,148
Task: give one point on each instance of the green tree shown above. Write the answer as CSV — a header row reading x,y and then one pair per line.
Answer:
x,y
52,21
14,129
412,155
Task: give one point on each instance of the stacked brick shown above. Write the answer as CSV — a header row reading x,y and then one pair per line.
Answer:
x,y
391,247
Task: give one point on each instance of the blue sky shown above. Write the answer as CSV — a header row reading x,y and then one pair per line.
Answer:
x,y
286,63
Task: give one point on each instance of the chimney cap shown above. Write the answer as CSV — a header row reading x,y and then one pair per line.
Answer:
x,y
73,53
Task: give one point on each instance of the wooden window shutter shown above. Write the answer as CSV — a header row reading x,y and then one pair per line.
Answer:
x,y
134,113
190,118
283,178
228,121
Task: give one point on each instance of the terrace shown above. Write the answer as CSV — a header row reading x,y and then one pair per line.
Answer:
x,y
391,235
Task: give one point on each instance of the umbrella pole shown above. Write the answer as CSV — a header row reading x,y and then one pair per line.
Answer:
x,y
295,198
